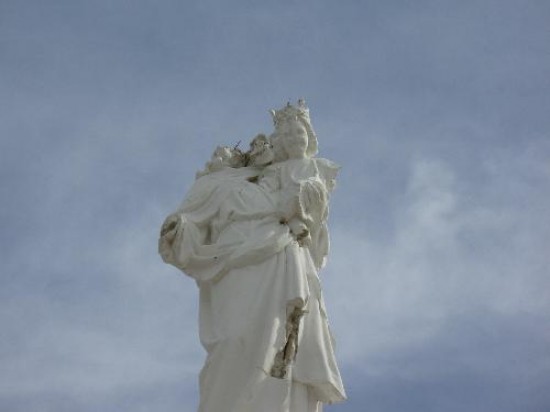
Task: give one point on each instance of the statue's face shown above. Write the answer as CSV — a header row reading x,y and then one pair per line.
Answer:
x,y
261,151
259,144
295,140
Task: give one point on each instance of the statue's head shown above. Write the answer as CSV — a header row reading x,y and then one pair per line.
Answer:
x,y
261,151
225,156
294,140
222,152
288,121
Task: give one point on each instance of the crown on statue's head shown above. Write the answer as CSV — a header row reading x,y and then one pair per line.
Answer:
x,y
290,113
299,113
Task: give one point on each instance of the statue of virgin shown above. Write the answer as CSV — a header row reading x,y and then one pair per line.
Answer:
x,y
252,232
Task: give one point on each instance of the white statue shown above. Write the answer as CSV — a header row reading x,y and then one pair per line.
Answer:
x,y
252,233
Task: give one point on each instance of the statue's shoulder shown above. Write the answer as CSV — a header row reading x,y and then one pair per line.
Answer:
x,y
328,170
326,163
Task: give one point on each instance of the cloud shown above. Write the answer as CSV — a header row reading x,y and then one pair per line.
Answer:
x,y
475,361
447,255
103,335
458,295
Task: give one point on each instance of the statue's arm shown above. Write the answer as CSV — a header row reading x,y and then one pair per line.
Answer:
x,y
304,207
313,209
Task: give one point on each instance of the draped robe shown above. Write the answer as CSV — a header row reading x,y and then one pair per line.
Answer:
x,y
229,235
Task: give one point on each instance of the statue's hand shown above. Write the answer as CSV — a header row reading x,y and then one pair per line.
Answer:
x,y
169,227
299,231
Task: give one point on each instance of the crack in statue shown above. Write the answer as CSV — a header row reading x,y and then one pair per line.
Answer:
x,y
252,231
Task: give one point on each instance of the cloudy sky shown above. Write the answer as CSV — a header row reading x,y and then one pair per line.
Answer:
x,y
438,283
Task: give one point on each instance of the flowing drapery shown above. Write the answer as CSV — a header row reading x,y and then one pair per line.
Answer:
x,y
259,287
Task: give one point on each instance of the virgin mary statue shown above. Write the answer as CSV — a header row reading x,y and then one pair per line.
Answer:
x,y
252,232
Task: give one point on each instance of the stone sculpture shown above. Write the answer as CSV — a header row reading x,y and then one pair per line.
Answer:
x,y
252,232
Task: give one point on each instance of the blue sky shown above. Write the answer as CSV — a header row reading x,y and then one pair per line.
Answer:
x,y
438,281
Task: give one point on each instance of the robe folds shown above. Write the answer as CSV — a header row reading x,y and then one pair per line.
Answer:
x,y
252,275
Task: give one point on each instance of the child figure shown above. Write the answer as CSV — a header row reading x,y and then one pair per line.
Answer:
x,y
223,156
302,183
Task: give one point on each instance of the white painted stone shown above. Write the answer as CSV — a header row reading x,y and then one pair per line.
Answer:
x,y
252,232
